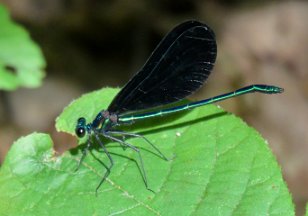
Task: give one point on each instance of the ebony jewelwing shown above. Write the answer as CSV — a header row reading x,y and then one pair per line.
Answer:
x,y
178,66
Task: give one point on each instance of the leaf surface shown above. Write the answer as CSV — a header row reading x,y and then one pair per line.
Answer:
x,y
221,167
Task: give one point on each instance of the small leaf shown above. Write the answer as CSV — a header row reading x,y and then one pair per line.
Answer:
x,y
21,60
221,167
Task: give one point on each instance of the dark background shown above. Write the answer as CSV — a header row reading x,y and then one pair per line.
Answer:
x,y
89,44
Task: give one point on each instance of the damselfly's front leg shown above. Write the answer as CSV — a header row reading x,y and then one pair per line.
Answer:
x,y
108,168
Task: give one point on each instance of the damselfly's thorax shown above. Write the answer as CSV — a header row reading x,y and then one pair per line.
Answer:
x,y
105,120
112,117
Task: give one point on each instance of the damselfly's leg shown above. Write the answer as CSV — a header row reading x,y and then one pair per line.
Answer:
x,y
134,148
123,146
108,168
84,154
123,133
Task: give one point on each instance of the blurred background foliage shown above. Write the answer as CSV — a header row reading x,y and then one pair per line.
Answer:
x,y
89,44
21,60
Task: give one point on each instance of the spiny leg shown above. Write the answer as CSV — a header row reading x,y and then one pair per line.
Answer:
x,y
143,137
108,168
84,154
134,148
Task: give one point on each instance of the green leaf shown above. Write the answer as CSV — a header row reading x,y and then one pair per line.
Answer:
x,y
21,60
221,167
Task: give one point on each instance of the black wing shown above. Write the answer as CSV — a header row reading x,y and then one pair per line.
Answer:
x,y
178,66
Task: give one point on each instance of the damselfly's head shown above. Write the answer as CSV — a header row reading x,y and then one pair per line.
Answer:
x,y
81,127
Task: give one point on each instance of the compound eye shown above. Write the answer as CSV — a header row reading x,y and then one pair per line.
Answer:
x,y
80,132
81,121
